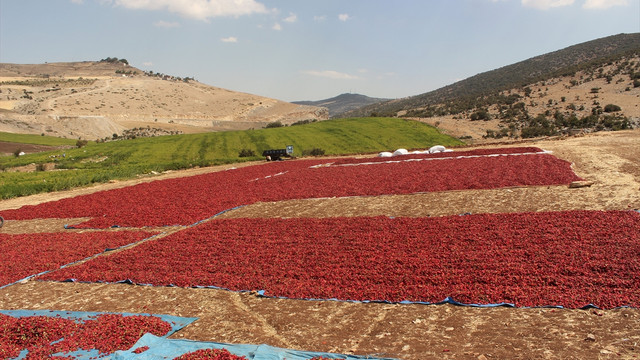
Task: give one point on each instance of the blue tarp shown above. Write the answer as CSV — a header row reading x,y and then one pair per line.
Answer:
x,y
176,323
162,348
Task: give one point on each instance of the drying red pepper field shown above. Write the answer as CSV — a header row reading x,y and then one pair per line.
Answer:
x,y
189,200
359,280
571,259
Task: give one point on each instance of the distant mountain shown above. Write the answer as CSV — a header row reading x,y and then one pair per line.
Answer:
x,y
342,103
463,95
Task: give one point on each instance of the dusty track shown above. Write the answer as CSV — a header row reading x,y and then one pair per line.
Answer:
x,y
610,160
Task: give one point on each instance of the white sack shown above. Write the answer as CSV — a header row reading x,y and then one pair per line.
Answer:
x,y
400,152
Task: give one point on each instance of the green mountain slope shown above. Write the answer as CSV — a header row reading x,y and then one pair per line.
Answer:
x,y
559,63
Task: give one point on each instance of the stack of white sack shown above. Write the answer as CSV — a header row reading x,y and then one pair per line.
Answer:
x,y
399,152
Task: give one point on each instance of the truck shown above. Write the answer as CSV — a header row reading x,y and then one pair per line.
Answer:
x,y
278,154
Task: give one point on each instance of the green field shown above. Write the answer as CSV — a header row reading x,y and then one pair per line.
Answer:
x,y
35,139
101,162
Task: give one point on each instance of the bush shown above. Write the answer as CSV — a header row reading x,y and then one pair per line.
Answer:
x,y
611,108
480,115
536,131
303,122
246,153
313,152
275,124
81,143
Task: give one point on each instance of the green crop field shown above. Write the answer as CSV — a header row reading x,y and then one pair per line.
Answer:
x,y
35,139
101,162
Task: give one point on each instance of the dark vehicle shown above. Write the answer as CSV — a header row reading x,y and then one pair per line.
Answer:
x,y
275,154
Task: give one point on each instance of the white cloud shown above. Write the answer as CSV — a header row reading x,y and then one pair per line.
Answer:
x,y
79,2
546,4
277,27
291,18
604,4
196,9
344,17
230,39
319,18
330,74
166,24
147,63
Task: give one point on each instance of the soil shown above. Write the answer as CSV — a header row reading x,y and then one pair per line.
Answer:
x,y
11,147
609,160
49,98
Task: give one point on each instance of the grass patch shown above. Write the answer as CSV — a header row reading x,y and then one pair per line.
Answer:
x,y
36,139
101,162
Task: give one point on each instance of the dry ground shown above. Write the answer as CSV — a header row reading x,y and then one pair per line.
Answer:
x,y
7,148
57,106
610,160
557,94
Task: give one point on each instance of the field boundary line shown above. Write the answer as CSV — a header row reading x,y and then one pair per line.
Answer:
x,y
544,152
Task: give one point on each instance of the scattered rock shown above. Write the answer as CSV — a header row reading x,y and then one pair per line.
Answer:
x,y
590,337
580,184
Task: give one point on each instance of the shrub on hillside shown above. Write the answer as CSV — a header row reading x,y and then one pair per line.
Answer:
x,y
303,122
611,108
480,115
275,124
313,152
246,153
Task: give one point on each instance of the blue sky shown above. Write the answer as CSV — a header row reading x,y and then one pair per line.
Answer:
x,y
308,49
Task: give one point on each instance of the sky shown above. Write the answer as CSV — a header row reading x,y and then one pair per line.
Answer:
x,y
308,49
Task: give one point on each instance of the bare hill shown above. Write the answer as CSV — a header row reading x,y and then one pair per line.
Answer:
x,y
98,99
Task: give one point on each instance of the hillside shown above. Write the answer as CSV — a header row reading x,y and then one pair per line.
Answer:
x,y
95,100
101,162
573,83
342,103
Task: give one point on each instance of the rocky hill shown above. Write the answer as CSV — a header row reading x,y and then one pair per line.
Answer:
x,y
343,103
94,100
587,87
